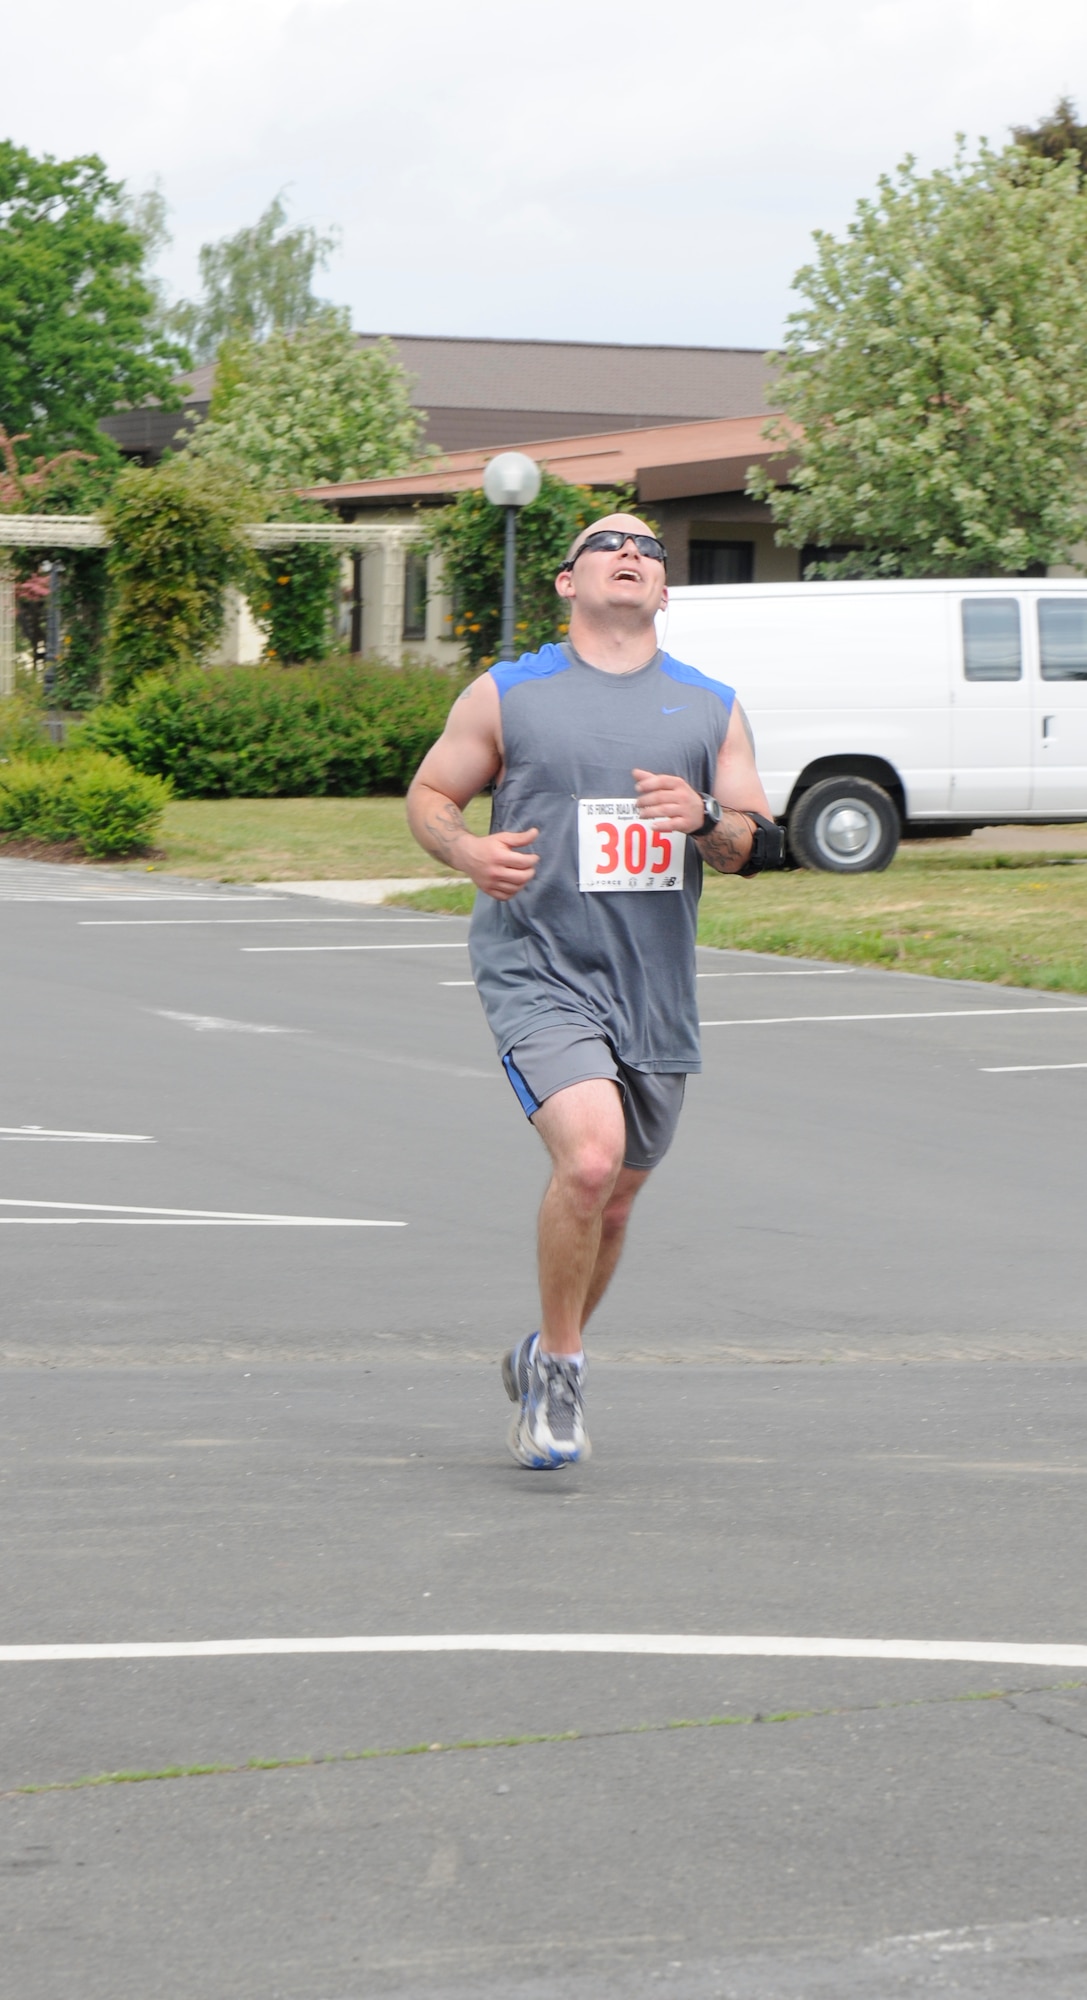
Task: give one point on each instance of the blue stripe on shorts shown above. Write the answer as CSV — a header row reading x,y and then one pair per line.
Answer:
x,y
525,1099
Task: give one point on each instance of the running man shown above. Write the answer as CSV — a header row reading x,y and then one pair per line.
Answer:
x,y
617,772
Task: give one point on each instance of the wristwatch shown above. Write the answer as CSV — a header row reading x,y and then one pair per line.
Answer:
x,y
712,809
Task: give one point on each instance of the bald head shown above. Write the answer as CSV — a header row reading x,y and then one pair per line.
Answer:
x,y
628,521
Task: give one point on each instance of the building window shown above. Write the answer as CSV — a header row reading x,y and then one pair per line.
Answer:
x,y
991,647
415,594
356,604
721,562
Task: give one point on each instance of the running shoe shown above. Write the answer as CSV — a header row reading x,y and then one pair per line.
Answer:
x,y
549,1428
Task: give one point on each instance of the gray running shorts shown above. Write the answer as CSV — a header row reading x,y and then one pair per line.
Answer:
x,y
552,1058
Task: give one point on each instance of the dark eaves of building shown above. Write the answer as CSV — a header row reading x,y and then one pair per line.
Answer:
x,y
490,393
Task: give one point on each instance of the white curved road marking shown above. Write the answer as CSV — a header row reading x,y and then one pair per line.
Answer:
x,y
687,1645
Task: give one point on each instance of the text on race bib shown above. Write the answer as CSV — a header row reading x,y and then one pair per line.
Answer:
x,y
619,852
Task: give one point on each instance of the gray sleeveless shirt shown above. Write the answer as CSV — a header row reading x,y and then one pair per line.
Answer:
x,y
621,965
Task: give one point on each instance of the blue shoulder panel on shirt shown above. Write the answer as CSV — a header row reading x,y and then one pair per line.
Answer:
x,y
676,670
507,674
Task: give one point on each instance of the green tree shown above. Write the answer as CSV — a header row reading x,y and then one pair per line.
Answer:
x,y
256,282
309,406
146,212
1053,137
77,339
177,543
470,536
934,384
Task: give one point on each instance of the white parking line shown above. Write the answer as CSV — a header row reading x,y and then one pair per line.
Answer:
x,y
688,1645
129,896
458,944
456,982
915,1014
128,1211
1008,1069
152,923
767,972
87,1138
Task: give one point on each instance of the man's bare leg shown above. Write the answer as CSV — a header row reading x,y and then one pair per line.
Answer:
x,y
613,1229
585,1133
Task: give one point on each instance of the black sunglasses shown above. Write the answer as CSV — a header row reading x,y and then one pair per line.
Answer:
x,y
610,540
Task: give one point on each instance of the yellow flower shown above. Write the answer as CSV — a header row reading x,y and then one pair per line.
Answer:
x,y
283,579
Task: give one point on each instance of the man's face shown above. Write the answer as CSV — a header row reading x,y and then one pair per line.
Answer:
x,y
614,579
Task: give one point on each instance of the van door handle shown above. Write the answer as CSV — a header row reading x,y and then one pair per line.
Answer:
x,y
1047,724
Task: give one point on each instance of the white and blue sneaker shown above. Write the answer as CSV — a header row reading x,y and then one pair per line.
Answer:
x,y
549,1428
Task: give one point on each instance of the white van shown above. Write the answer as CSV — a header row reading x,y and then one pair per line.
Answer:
x,y
878,708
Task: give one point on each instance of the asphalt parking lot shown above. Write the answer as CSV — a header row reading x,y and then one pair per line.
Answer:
x,y
267,1213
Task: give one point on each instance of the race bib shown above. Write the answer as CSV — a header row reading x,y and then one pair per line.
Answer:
x,y
619,851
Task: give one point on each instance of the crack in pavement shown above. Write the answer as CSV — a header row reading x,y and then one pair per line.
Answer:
x,y
1051,1722
1007,1697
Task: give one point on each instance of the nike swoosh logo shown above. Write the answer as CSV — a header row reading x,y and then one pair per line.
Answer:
x,y
674,711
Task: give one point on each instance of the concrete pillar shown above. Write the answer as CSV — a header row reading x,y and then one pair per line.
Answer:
x,y
391,644
7,625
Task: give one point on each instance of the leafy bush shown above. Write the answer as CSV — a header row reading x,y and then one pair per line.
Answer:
x,y
267,732
22,729
96,800
177,542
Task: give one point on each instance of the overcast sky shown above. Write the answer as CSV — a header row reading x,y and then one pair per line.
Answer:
x,y
639,170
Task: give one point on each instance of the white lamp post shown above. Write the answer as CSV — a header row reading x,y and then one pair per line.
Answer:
x,y
511,481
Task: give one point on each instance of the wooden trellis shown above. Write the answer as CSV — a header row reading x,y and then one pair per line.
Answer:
x,y
389,539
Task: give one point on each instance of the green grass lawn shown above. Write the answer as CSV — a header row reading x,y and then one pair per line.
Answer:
x,y
1018,919
944,907
294,840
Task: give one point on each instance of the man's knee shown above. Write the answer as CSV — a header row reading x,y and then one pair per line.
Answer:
x,y
590,1171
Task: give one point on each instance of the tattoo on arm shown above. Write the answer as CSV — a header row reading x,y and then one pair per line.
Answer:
x,y
729,845
443,825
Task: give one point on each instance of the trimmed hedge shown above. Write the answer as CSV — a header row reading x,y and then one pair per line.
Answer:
x,y
267,732
96,800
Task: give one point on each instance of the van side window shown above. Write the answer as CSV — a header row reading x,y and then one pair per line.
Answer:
x,y
1062,635
991,646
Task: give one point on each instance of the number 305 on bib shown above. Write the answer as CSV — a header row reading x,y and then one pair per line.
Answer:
x,y
619,851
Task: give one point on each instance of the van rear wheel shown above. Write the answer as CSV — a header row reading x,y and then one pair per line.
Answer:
x,y
846,826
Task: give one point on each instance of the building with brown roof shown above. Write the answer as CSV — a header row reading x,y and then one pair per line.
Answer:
x,y
688,477
496,392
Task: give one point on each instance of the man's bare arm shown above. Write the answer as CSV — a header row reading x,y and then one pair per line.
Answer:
x,y
467,756
728,848
738,788
675,805
437,822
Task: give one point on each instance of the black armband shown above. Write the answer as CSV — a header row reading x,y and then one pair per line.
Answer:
x,y
767,846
